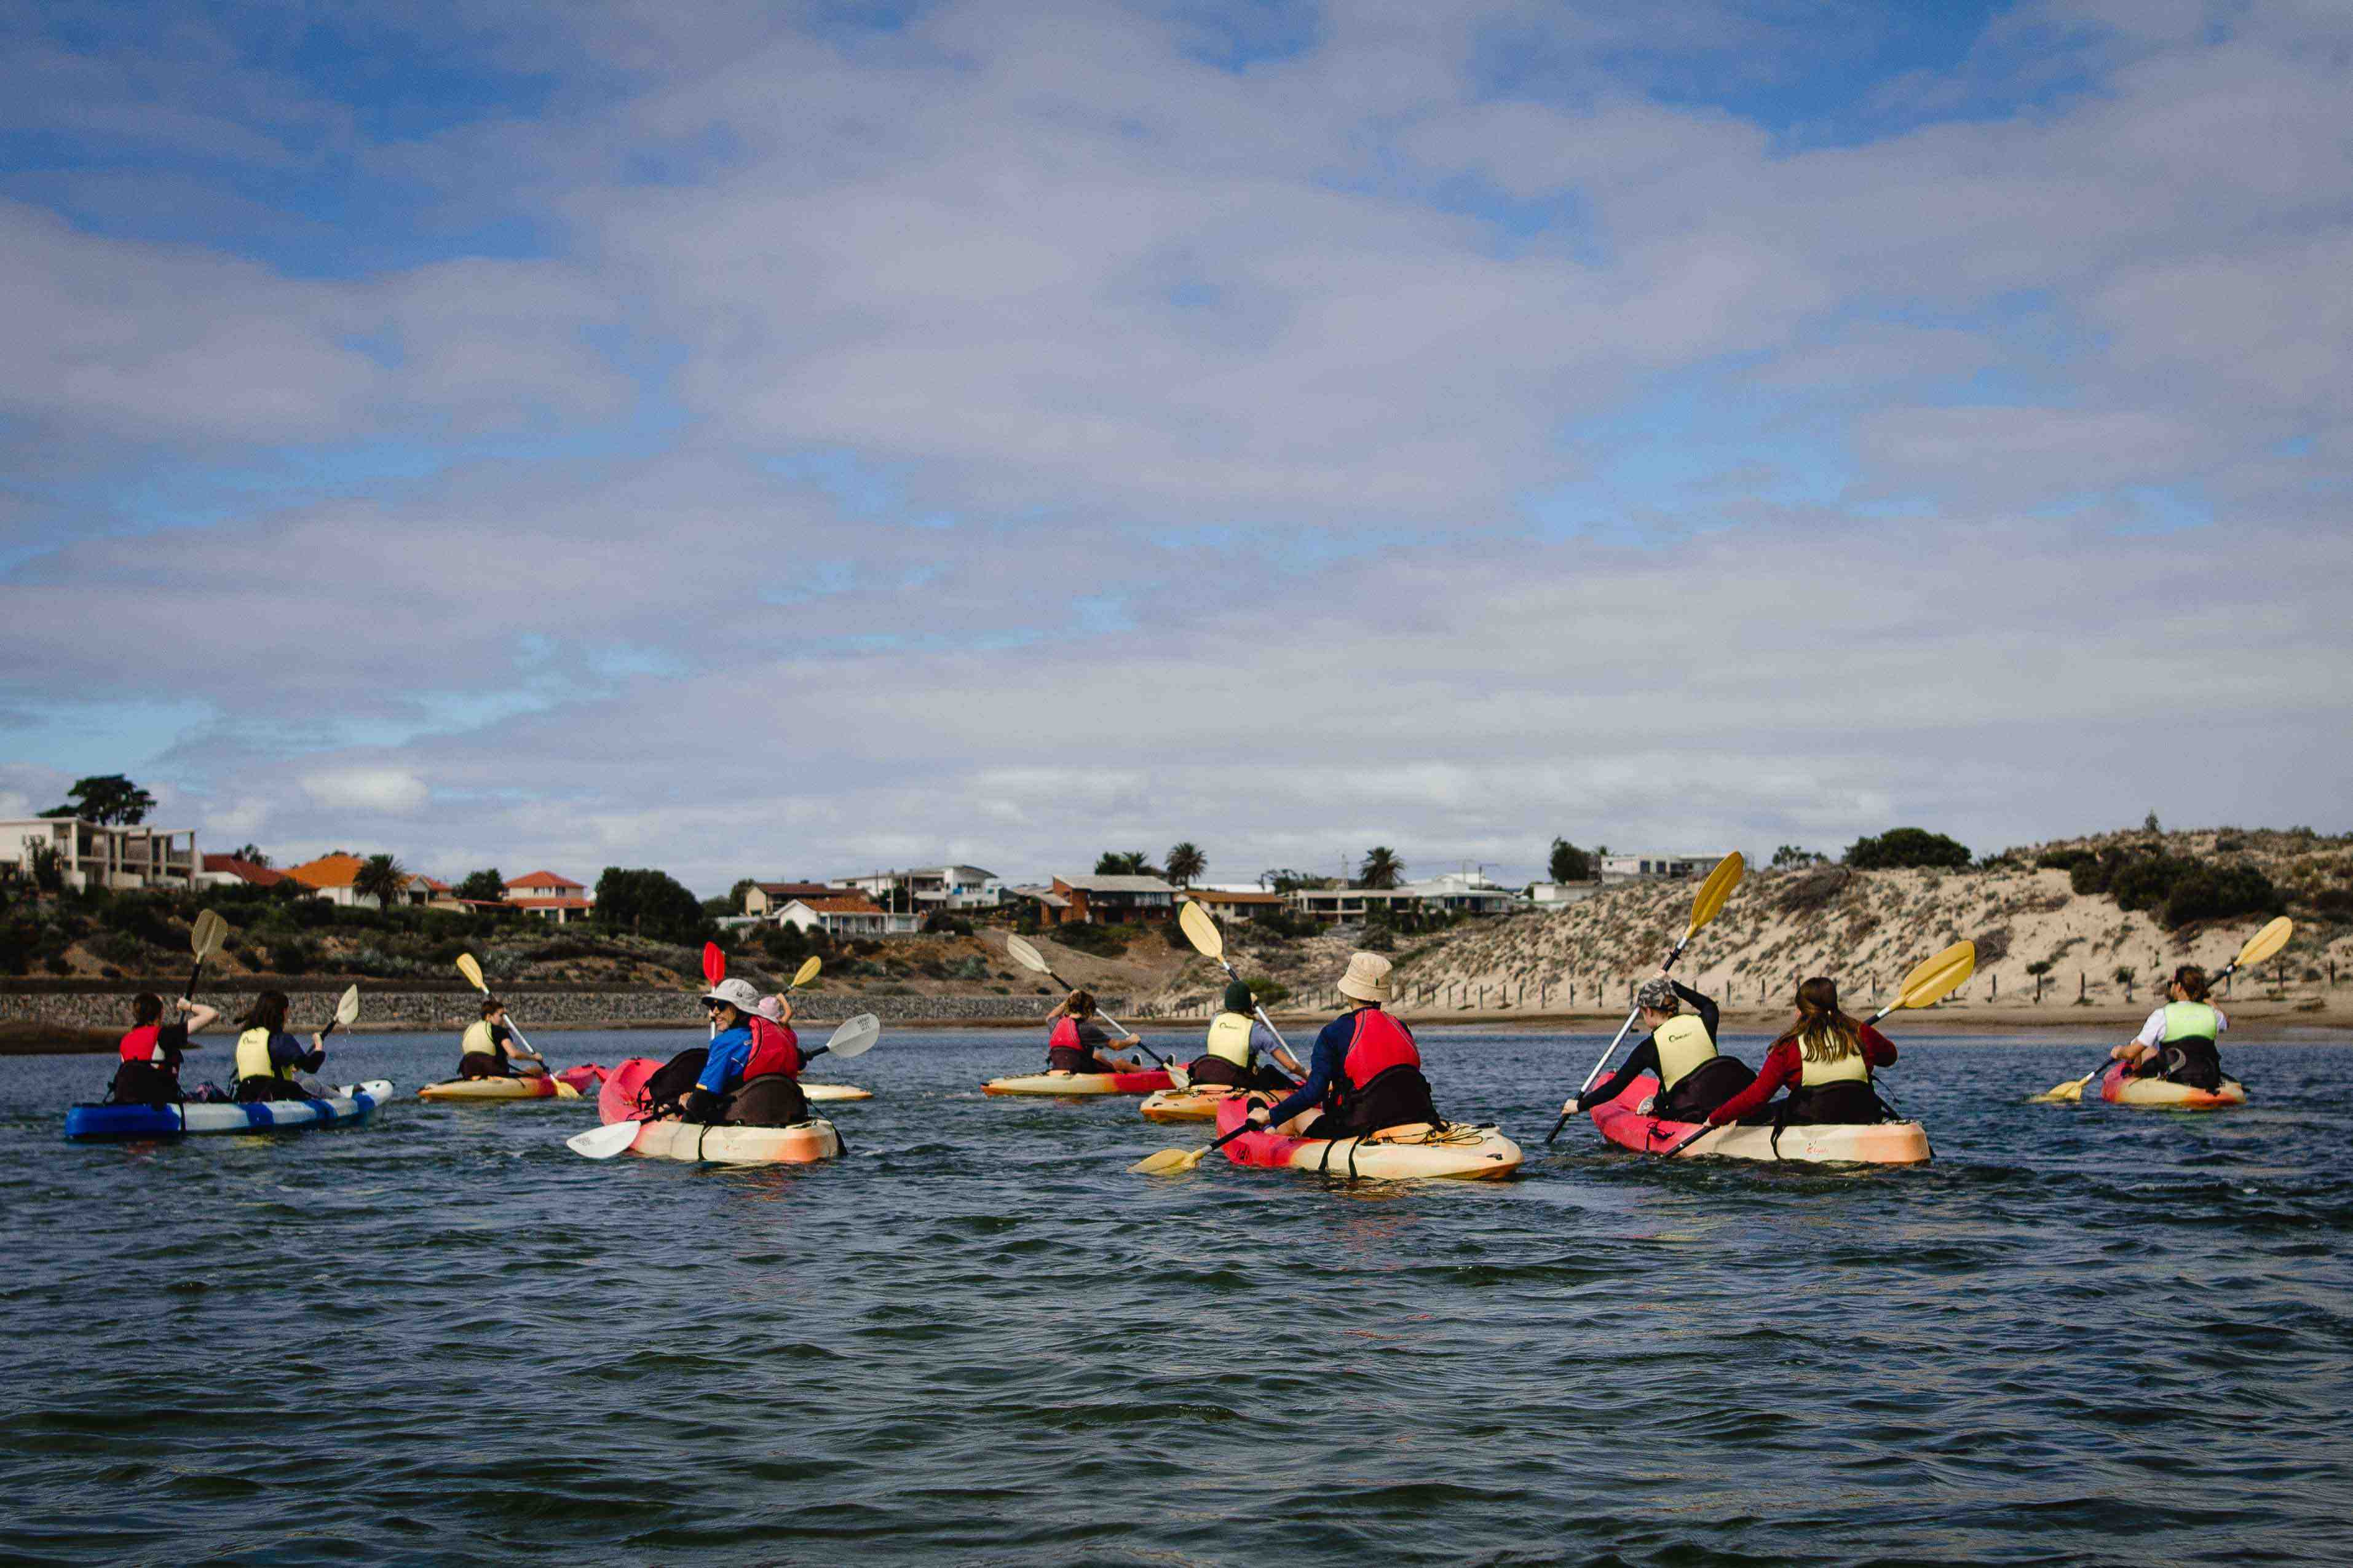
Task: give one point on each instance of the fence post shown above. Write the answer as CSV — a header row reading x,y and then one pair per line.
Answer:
x,y
2079,986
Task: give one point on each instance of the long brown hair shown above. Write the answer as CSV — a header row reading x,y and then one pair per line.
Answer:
x,y
1082,1004
2192,981
1823,1032
146,1008
267,1011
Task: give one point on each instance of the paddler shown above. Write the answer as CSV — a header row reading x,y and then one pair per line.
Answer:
x,y
491,1049
1077,1040
2177,1043
271,1063
749,1076
1693,1077
1826,1058
1366,1070
150,1052
1238,1041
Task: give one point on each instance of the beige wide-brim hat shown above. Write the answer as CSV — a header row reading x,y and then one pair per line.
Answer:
x,y
1367,979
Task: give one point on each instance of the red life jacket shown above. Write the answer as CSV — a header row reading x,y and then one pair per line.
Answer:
x,y
774,1048
1065,1036
140,1043
1381,1043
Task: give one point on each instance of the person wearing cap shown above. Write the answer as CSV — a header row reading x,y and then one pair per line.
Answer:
x,y
1679,1051
1366,1071
489,1048
749,1073
1238,1041
1075,1043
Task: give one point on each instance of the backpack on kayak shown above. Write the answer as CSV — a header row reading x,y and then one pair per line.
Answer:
x,y
664,1092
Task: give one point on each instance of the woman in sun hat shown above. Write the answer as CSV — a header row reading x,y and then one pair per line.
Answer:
x,y
1366,1073
749,1075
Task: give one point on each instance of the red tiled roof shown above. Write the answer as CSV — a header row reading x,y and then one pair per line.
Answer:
x,y
797,889
854,904
247,871
328,871
552,903
545,880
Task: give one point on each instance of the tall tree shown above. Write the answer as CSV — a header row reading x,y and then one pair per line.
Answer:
x,y
649,903
1571,864
1185,862
106,797
1127,863
250,854
736,894
486,886
1381,869
381,878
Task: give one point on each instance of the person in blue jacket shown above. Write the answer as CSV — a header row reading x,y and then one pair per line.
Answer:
x,y
1366,1071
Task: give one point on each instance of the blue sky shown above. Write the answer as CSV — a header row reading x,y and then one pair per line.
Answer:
x,y
758,439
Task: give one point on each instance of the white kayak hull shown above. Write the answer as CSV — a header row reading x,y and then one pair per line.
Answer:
x,y
351,1102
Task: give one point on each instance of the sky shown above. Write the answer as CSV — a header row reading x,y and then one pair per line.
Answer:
x,y
788,440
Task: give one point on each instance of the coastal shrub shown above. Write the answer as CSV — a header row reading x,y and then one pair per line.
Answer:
x,y
1811,890
1174,935
941,923
1267,992
1101,942
292,957
2329,903
1289,923
2064,859
2217,892
1905,846
2176,888
1993,946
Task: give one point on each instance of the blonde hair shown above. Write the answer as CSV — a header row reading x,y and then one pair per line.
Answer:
x,y
1823,1033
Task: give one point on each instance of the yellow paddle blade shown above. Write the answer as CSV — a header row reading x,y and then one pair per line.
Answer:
x,y
347,1006
1025,955
1202,932
1168,1161
1714,891
473,972
807,972
2265,942
2063,1093
1932,979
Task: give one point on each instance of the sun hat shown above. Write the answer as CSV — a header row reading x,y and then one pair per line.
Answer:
x,y
737,994
1657,993
1367,979
1238,998
772,1008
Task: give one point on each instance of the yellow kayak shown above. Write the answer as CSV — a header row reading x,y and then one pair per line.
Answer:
x,y
816,1091
481,1089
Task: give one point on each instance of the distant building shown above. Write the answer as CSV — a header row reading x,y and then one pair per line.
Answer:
x,y
229,871
1235,903
846,914
1554,895
1632,867
1456,892
927,888
102,854
1109,900
557,900
331,877
766,900
1349,906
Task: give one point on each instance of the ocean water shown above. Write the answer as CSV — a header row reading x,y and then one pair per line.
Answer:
x,y
2084,1334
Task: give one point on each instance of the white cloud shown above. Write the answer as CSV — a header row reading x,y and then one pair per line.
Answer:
x,y
389,792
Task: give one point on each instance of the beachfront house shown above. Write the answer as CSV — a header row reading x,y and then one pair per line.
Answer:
x,y
1557,895
841,914
768,900
1456,892
1237,903
331,878
1636,868
927,889
557,900
229,871
114,855
1108,900
1350,906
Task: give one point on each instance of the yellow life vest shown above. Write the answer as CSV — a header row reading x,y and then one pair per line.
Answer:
x,y
2190,1021
1230,1038
1682,1045
253,1056
478,1038
1851,1069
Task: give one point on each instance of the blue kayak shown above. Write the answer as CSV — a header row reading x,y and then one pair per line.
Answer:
x,y
348,1103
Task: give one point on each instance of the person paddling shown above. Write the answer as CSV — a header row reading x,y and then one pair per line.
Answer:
x,y
1826,1058
270,1061
1241,1050
1365,1073
151,1051
1680,1051
491,1049
1077,1039
749,1076
2179,1042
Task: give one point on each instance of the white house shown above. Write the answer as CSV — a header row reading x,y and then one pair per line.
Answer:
x,y
558,900
926,888
847,914
1556,895
1632,867
101,854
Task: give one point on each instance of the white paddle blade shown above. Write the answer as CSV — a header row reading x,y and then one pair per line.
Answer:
x,y
856,1036
1202,932
603,1143
1025,955
347,1005
472,972
205,934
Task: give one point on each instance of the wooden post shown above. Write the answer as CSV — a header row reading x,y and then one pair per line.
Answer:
x,y
2079,986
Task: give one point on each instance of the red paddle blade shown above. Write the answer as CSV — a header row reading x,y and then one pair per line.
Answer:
x,y
714,963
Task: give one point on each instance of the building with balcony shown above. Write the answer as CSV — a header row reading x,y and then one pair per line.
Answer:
x,y
1108,900
766,900
922,891
557,900
120,856
1636,868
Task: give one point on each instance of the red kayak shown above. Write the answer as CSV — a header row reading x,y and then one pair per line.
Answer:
x,y
1624,1123
617,1100
583,1077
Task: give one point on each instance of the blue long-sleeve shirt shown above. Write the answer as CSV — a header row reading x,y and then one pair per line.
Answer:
x,y
287,1051
1322,1068
730,1052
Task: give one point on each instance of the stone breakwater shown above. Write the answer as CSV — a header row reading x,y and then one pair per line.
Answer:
x,y
389,1008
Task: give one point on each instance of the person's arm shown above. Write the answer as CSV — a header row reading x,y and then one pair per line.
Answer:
x,y
1780,1067
199,1016
727,1054
1877,1048
1330,1046
2221,1019
2153,1032
1268,1044
287,1051
1644,1058
1708,1011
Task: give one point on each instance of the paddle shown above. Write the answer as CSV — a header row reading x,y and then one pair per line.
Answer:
x,y
1030,958
1176,1162
2260,946
1706,904
473,975
855,1037
205,933
1931,981
806,973
714,970
347,1011
1208,941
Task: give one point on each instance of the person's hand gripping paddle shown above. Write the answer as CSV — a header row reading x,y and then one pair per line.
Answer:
x,y
2260,946
1030,958
1201,929
205,933
1931,981
854,1039
1705,905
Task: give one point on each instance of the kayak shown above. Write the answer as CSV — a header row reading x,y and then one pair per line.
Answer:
x,y
583,1077
724,1144
816,1091
1198,1103
1078,1083
349,1103
481,1089
1453,1150
1624,1123
2118,1090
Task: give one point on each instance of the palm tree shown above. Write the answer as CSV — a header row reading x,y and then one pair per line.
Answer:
x,y
1381,869
1126,863
382,878
1185,862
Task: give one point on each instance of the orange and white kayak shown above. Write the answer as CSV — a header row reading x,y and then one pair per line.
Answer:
x,y
2116,1088
1198,1103
726,1143
1626,1123
496,1089
1080,1083
1455,1151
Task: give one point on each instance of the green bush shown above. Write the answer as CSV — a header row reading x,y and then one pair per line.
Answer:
x,y
2064,859
2179,890
1267,992
1101,942
1905,846
1286,923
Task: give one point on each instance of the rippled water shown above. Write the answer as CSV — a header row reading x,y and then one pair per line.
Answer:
x,y
2085,1334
